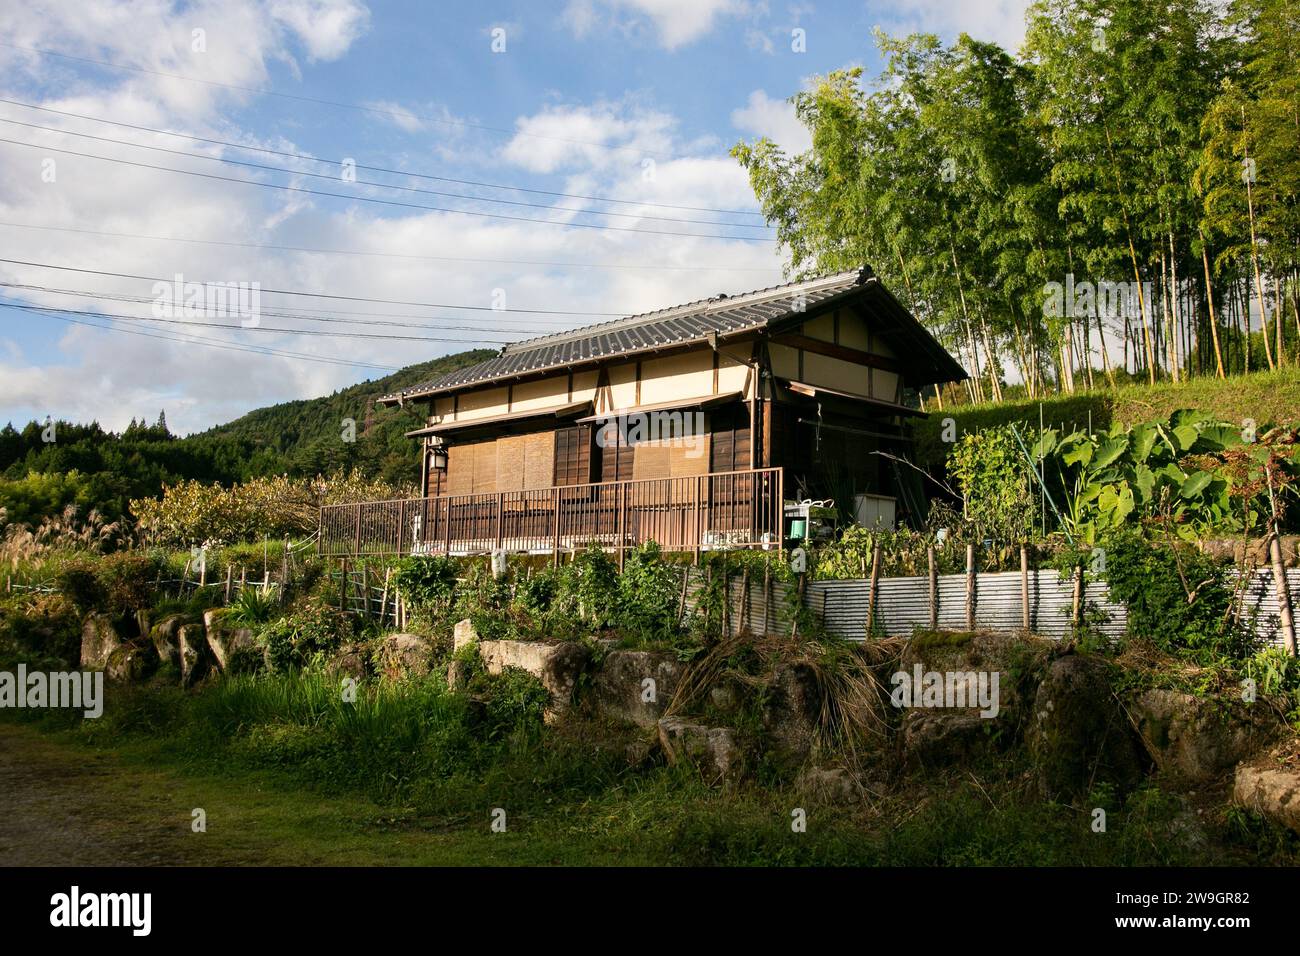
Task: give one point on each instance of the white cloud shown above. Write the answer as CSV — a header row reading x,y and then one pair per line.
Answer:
x,y
999,21
675,22
775,119
82,373
326,27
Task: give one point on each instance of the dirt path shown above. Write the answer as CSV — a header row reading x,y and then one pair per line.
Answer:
x,y
61,807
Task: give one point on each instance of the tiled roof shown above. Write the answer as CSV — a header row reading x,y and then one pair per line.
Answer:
x,y
721,315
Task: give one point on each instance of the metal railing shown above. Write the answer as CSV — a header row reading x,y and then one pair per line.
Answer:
x,y
737,509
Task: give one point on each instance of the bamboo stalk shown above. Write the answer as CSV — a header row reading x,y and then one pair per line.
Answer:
x,y
1285,612
934,588
1024,587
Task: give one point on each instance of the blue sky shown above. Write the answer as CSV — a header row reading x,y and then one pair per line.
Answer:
x,y
630,100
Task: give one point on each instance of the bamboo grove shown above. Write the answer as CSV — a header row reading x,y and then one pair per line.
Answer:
x,y
1118,201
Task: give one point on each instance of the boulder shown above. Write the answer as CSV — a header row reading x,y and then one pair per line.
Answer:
x,y
978,653
834,785
936,738
99,639
404,655
132,663
226,641
459,674
715,751
1078,735
634,685
349,661
557,666
166,639
1197,738
1272,791
791,711
464,635
196,659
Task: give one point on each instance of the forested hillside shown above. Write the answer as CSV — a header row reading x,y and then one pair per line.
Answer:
x,y
96,469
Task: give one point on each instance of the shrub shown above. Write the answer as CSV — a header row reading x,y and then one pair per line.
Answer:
x,y
1177,597
426,582
129,580
306,636
994,479
648,595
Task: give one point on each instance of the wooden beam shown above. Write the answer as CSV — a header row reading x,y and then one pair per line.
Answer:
x,y
842,352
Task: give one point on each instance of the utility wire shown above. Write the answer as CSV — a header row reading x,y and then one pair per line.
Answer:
x,y
206,342
399,114
390,255
379,169
383,202
334,177
263,328
314,315
316,295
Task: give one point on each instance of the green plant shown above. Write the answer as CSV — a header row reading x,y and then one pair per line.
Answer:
x,y
1177,598
306,636
251,608
647,595
994,479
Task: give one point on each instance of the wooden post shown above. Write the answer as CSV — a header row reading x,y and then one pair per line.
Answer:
x,y
767,595
343,586
697,530
555,531
284,569
266,582
203,570
934,587
501,509
185,578
358,547
681,608
970,587
1076,609
230,580
875,582
744,600
621,497
383,599
243,577
365,590
1024,587
1286,615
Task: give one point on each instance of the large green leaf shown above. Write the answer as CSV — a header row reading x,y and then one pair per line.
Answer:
x,y
1196,483
1109,451
1142,439
1185,437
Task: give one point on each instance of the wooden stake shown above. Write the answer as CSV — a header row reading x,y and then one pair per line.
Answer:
x,y
383,599
875,582
970,587
1285,612
934,588
1076,611
230,580
1024,587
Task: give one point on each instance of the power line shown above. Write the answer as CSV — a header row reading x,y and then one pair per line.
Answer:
x,y
263,328
312,315
380,169
399,114
206,342
332,177
383,202
316,295
389,255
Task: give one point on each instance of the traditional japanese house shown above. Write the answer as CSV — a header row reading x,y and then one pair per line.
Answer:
x,y
692,426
